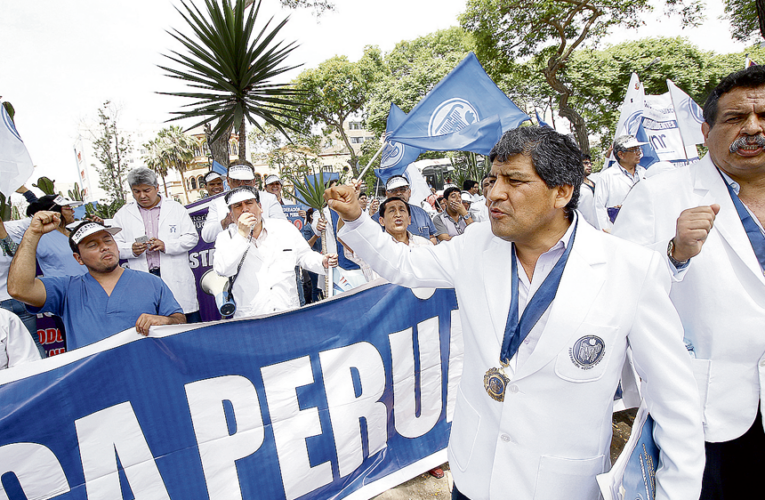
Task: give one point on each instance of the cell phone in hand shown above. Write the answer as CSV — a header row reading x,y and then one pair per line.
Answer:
x,y
142,239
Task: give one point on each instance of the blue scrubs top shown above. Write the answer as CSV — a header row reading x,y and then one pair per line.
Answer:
x,y
91,315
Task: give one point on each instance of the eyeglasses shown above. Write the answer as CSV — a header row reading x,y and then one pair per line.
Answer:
x,y
636,150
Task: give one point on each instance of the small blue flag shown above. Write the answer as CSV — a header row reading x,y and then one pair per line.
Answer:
x,y
395,156
540,122
649,154
217,167
464,100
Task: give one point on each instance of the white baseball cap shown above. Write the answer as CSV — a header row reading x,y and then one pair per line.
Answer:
x,y
85,229
241,172
273,178
241,194
211,176
396,181
627,142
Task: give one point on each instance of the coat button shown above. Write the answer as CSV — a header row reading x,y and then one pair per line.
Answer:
x,y
514,389
505,438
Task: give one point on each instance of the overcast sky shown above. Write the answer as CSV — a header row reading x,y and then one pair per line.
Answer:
x,y
62,60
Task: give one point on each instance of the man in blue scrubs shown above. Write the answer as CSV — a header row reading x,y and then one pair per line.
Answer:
x,y
106,300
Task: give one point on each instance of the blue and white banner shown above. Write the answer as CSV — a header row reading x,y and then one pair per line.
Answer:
x,y
342,399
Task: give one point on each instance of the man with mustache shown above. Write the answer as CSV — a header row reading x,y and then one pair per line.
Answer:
x,y
106,300
707,220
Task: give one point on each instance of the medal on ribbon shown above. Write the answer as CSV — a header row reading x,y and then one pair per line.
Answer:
x,y
495,381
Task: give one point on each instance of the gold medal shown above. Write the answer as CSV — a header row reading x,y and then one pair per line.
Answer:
x,y
495,381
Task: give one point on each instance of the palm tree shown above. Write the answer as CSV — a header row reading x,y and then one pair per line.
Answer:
x,y
178,151
155,160
313,195
234,67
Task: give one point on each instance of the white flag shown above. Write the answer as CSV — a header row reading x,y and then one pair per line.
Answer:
x,y
689,115
15,163
632,109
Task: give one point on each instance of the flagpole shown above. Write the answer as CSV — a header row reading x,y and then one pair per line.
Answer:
x,y
361,175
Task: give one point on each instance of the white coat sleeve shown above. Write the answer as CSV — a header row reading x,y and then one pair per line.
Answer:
x,y
17,228
188,238
20,348
669,388
307,258
600,198
228,253
431,266
637,222
212,226
124,238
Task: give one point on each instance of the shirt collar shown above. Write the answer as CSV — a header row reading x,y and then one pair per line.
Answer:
x,y
565,241
158,205
733,184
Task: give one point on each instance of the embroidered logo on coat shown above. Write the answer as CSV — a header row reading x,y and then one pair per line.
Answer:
x,y
587,352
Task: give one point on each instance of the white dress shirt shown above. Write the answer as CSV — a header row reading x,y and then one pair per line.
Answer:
x,y
217,211
266,282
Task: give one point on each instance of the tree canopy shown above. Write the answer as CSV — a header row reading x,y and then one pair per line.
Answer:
x,y
336,90
549,31
744,20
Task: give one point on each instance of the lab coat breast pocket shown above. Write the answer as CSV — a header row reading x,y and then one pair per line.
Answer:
x,y
588,353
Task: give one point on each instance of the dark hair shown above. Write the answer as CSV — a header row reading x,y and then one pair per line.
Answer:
x,y
468,184
753,76
75,246
248,189
241,162
556,158
586,157
450,191
381,211
363,194
44,203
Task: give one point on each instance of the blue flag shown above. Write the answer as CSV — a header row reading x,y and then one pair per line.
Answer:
x,y
540,122
395,156
466,105
217,167
649,153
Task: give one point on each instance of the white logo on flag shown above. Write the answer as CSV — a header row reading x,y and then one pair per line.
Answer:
x,y
392,154
692,110
633,122
452,116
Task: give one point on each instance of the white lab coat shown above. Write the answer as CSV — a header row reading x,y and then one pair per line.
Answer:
x,y
16,345
611,188
720,297
179,235
266,282
217,211
587,205
551,436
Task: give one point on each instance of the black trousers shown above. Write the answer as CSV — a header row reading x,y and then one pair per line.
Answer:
x,y
733,466
456,495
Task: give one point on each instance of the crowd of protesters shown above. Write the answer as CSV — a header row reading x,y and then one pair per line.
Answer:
x,y
691,306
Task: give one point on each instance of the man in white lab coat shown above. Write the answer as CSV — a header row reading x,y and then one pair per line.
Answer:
x,y
156,237
707,221
549,308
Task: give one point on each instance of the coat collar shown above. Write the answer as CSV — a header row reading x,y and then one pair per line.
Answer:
x,y
582,279
710,187
583,276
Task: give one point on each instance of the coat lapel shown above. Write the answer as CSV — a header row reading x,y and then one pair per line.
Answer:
x,y
711,187
497,270
582,278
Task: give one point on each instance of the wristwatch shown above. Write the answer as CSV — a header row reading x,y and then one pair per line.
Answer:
x,y
678,264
